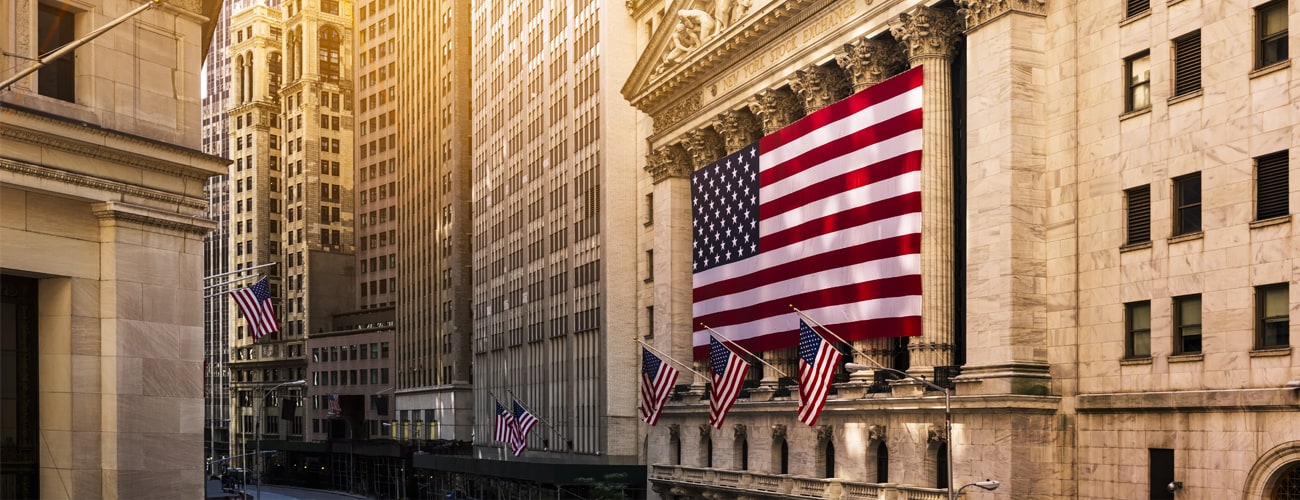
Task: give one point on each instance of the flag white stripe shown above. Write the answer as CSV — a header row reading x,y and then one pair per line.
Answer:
x,y
867,117
899,145
890,267
888,307
881,190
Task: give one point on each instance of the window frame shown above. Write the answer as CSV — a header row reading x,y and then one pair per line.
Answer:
x,y
1180,225
1130,333
1262,40
1129,85
1180,326
1262,320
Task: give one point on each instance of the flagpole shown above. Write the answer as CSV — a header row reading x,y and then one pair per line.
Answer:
x,y
230,282
747,351
237,271
539,418
670,358
837,337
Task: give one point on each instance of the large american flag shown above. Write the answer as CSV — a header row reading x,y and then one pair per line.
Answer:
x,y
728,373
817,362
657,380
825,215
524,422
505,426
255,304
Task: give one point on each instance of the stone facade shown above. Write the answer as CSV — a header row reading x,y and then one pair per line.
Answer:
x,y
1029,148
101,207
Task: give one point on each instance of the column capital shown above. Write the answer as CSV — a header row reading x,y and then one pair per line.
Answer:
x,y
668,162
738,128
776,108
869,62
927,32
819,86
704,146
979,12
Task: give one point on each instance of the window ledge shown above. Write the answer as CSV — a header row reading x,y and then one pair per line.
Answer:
x,y
1146,245
1277,66
1267,352
1186,97
1186,237
1271,222
1135,361
1130,20
1135,113
1186,358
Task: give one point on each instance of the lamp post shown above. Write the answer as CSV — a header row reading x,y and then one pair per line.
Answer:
x,y
987,485
257,429
947,411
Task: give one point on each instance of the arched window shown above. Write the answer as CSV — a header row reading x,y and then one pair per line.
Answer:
x,y
274,70
742,453
780,457
675,449
1286,486
329,42
941,466
239,78
882,463
707,450
829,460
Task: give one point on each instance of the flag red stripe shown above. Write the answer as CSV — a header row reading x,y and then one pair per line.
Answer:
x,y
902,326
888,129
893,167
857,216
839,110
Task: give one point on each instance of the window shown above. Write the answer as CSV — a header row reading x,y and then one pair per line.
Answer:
x,y
1271,186
649,265
1187,324
1272,322
1187,204
1187,64
57,79
1270,33
328,56
1161,473
1137,327
1138,200
1135,7
1137,71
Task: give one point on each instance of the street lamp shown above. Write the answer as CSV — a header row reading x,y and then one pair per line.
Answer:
x,y
257,428
987,485
947,410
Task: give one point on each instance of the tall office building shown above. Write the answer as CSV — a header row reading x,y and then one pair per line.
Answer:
x,y
291,195
553,184
216,245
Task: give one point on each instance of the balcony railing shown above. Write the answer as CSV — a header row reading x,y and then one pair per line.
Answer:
x,y
700,480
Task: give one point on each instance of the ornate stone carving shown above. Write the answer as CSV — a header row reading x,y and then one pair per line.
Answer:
x,y
819,86
825,433
937,434
778,431
875,432
927,32
675,431
869,62
668,162
677,112
706,430
704,145
738,128
978,12
776,108
739,432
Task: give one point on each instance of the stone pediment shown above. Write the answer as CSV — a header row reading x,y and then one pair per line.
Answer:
x,y
691,44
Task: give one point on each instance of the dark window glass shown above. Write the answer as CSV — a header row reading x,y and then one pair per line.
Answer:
x,y
1161,473
1272,186
1187,204
1187,64
57,78
1187,324
1272,321
1270,33
1138,200
1137,77
1137,320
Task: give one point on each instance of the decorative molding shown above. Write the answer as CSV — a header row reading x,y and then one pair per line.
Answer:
x,y
738,128
778,431
776,108
739,432
110,212
927,32
107,152
868,62
668,162
876,432
74,179
674,431
819,86
825,433
978,12
677,112
704,145
936,434
706,430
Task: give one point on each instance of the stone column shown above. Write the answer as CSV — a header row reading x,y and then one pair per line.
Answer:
x,y
704,147
670,169
738,128
868,62
929,36
1007,199
819,86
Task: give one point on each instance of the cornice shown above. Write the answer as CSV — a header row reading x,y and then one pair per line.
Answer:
x,y
115,211
74,179
980,12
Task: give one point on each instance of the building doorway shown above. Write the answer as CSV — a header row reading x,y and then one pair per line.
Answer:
x,y
19,383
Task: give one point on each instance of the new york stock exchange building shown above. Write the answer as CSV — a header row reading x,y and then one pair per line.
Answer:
x,y
1099,297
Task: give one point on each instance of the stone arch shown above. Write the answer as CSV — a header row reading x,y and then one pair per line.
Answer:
x,y
1279,462
239,78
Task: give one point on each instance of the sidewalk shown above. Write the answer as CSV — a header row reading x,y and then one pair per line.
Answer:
x,y
214,492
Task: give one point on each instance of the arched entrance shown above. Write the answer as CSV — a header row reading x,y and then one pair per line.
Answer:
x,y
1276,475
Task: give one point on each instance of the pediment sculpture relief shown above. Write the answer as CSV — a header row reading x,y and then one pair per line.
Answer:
x,y
698,23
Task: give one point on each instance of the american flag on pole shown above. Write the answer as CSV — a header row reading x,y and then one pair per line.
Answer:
x,y
728,373
824,214
333,401
524,422
657,380
505,426
255,304
817,362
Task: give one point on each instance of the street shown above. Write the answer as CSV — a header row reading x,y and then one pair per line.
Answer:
x,y
275,492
